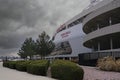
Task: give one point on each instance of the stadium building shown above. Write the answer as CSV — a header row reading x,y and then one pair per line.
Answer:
x,y
68,42
100,22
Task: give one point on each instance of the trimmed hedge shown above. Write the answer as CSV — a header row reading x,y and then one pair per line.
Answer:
x,y
38,67
6,64
22,65
66,70
10,64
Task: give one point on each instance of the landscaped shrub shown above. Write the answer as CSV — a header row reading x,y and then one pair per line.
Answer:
x,y
38,67
108,64
118,65
12,64
22,65
6,64
66,70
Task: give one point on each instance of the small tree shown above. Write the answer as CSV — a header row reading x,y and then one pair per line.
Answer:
x,y
27,49
44,45
22,54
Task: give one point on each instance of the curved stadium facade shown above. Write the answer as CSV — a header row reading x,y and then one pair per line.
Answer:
x,y
102,29
101,23
68,43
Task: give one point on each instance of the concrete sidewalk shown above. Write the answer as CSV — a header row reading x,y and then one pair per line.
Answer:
x,y
11,74
91,73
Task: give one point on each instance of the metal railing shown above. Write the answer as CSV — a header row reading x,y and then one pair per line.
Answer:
x,y
96,55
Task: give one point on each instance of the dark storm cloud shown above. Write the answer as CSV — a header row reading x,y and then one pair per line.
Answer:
x,y
14,15
20,19
11,41
24,11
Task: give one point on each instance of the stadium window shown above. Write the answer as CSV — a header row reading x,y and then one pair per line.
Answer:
x,y
74,23
70,25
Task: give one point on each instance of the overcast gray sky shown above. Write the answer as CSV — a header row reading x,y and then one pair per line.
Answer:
x,y
20,19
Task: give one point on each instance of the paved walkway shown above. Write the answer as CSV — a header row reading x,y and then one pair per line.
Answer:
x,y
91,73
11,74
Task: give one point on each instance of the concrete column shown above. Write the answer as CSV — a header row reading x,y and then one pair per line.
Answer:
x,y
92,48
63,58
92,45
110,21
111,43
53,58
98,26
98,46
